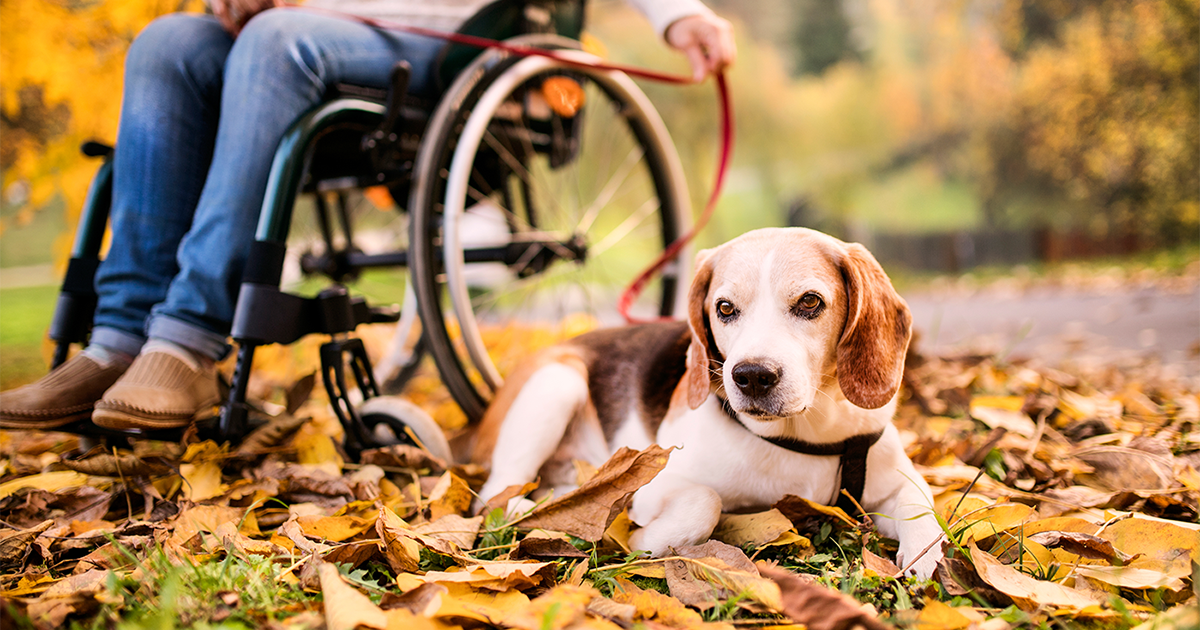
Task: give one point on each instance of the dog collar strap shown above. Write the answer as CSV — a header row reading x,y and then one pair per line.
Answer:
x,y
852,451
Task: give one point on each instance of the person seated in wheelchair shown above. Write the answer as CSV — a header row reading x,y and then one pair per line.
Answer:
x,y
207,99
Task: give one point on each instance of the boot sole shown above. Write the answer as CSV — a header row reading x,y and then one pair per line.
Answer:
x,y
120,420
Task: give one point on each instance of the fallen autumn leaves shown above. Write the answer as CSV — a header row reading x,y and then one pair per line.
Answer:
x,y
1066,497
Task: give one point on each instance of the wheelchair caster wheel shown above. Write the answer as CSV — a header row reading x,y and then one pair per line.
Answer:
x,y
394,420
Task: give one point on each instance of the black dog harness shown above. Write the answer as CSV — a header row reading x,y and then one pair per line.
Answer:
x,y
852,451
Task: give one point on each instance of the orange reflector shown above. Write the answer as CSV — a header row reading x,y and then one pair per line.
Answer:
x,y
564,95
380,197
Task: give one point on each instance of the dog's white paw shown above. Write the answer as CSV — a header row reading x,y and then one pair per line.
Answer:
x,y
924,566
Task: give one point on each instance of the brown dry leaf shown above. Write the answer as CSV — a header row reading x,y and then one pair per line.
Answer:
x,y
818,607
497,576
345,607
1026,592
403,456
501,500
758,529
558,608
543,548
1144,464
588,511
451,495
291,531
15,545
399,542
656,607
87,583
109,465
269,435
1162,546
450,534
879,565
207,518
234,540
1080,544
804,513
705,580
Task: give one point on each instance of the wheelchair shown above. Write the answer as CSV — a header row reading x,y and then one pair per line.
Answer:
x,y
534,189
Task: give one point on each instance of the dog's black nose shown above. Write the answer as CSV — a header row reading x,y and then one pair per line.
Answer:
x,y
755,379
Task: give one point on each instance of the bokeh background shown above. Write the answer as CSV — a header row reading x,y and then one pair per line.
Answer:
x,y
951,136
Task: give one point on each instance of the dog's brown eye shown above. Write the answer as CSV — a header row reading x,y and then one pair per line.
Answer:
x,y
725,309
808,306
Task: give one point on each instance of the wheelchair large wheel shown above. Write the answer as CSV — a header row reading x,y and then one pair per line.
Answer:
x,y
542,190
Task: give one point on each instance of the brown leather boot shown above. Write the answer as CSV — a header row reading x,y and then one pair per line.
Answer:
x,y
61,397
165,388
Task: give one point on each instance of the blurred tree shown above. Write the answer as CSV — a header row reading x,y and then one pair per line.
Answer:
x,y
60,84
823,36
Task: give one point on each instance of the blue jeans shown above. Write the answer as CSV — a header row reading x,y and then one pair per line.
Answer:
x,y
200,121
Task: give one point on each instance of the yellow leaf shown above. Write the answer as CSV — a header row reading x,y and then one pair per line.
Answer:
x,y
48,481
751,529
988,521
490,607
1026,592
451,495
498,576
316,449
1131,577
399,542
938,616
654,606
345,607
202,481
559,608
1163,546
334,528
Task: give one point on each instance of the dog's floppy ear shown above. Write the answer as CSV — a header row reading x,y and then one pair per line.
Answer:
x,y
870,354
697,377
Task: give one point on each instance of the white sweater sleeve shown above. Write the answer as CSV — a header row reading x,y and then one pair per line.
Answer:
x,y
663,13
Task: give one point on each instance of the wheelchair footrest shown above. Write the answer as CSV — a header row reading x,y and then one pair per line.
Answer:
x,y
335,355
267,315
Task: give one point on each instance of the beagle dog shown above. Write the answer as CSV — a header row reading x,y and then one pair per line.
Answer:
x,y
782,381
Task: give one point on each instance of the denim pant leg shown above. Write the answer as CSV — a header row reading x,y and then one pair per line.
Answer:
x,y
172,95
279,67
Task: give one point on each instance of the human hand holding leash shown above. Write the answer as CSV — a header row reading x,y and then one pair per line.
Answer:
x,y
707,40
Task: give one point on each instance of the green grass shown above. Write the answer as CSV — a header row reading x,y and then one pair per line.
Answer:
x,y
24,317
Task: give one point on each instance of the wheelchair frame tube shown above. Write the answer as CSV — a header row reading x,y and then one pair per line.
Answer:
x,y
89,235
292,157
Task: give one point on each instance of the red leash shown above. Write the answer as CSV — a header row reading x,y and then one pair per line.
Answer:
x,y
635,288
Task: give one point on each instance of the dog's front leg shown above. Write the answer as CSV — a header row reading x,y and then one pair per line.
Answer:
x,y
673,512
533,428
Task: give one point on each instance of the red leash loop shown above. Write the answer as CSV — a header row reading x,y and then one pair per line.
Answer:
x,y
636,287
